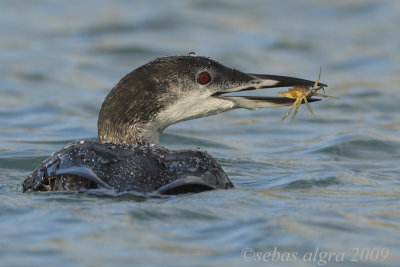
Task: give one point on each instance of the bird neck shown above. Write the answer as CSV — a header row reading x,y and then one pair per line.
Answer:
x,y
127,116
124,119
129,134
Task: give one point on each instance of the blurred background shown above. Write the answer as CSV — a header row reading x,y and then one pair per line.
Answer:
x,y
329,181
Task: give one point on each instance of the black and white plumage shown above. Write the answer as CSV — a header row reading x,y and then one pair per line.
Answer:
x,y
128,156
141,168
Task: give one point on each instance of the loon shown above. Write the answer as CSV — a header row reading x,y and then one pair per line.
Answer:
x,y
128,156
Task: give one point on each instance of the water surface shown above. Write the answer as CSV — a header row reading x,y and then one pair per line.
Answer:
x,y
329,182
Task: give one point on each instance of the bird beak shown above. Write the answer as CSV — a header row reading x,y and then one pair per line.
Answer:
x,y
249,81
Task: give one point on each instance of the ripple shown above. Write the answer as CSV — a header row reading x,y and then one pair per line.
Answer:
x,y
21,163
293,45
108,28
121,50
304,184
357,147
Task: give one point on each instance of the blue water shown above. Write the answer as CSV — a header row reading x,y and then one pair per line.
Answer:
x,y
328,183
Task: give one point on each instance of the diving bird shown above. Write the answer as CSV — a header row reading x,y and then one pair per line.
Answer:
x,y
128,156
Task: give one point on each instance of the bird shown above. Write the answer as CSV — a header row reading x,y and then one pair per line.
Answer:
x,y
127,157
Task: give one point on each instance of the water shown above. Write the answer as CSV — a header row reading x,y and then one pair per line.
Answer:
x,y
329,182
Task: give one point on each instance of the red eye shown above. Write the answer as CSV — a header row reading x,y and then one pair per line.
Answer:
x,y
204,78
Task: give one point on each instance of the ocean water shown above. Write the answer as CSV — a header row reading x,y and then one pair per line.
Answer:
x,y
320,191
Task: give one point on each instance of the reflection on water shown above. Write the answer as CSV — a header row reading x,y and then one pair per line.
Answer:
x,y
328,182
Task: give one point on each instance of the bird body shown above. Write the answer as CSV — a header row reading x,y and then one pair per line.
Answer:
x,y
128,156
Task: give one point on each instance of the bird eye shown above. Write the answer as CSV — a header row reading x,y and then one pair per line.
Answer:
x,y
204,78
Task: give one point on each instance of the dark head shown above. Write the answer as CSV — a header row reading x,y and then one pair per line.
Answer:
x,y
172,89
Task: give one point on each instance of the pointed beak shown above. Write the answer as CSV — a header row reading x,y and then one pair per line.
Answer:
x,y
271,81
250,81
